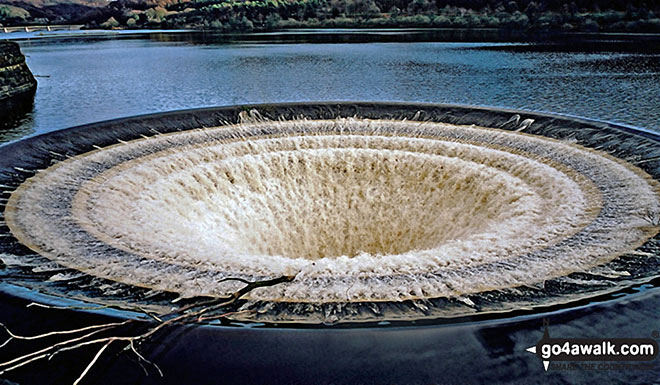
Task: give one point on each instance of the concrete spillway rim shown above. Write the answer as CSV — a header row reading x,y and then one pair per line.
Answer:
x,y
197,117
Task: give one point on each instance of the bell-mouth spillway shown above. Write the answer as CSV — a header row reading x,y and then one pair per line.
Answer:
x,y
381,211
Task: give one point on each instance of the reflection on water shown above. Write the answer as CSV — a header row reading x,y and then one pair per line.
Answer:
x,y
16,117
100,77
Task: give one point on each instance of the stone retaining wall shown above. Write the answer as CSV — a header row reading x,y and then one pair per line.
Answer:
x,y
15,76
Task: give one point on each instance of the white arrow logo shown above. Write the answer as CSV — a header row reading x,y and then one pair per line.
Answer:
x,y
532,350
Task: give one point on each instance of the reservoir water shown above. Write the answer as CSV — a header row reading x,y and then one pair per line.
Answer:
x,y
93,77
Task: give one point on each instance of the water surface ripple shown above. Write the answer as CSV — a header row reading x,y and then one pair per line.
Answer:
x,y
87,79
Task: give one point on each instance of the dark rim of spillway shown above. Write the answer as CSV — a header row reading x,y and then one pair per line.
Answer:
x,y
636,146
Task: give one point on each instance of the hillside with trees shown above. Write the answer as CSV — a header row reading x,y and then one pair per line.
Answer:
x,y
25,12
247,15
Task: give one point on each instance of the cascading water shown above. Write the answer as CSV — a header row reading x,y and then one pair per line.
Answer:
x,y
365,212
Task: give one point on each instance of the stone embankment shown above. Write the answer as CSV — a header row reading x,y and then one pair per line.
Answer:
x,y
16,80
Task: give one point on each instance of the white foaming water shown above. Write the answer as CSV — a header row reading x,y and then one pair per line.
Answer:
x,y
360,210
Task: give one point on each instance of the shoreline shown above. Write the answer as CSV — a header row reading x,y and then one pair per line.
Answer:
x,y
470,34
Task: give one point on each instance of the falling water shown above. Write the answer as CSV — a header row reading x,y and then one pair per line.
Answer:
x,y
361,210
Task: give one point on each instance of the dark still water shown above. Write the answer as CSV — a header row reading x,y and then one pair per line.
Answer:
x,y
90,78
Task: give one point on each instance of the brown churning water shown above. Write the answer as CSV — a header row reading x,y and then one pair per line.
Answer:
x,y
361,210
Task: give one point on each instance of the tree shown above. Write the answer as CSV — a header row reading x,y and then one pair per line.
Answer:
x,y
110,23
419,6
365,8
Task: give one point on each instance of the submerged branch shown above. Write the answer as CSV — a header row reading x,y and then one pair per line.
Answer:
x,y
194,313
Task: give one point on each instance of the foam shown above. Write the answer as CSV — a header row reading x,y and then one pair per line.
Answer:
x,y
360,210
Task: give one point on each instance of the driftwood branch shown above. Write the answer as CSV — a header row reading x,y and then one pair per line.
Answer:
x,y
193,313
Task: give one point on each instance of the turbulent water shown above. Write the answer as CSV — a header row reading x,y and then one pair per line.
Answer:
x,y
359,210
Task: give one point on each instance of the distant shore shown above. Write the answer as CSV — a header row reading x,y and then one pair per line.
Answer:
x,y
271,15
501,39
453,19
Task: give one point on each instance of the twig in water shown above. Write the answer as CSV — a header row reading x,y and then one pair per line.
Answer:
x,y
193,313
